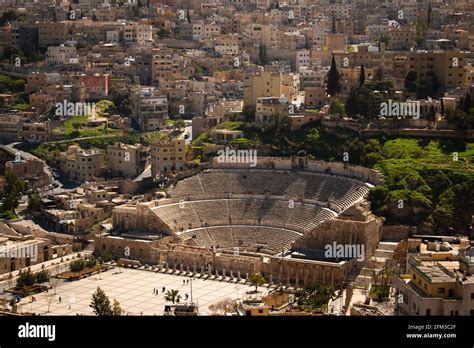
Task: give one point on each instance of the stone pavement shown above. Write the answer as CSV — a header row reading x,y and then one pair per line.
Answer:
x,y
134,290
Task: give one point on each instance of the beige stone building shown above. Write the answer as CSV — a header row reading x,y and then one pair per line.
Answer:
x,y
150,108
32,171
437,286
82,165
126,160
17,252
61,55
268,108
51,33
269,84
167,155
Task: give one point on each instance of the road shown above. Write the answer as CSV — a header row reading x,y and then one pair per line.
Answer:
x,y
59,185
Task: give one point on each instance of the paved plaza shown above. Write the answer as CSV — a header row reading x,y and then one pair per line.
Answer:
x,y
134,290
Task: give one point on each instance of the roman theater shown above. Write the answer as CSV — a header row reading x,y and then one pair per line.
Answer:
x,y
231,220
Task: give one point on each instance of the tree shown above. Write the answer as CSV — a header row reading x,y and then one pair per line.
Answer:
x,y
42,276
179,124
362,76
334,84
352,107
467,103
224,306
333,25
121,100
34,200
25,278
379,198
49,300
77,265
400,255
256,280
314,296
116,309
100,303
442,106
262,54
172,296
336,108
410,81
54,283
12,192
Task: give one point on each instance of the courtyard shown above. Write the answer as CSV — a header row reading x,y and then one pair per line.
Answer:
x,y
135,290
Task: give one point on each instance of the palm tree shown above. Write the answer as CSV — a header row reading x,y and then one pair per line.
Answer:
x,y
172,295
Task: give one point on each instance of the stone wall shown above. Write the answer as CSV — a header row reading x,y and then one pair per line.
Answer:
x,y
397,232
169,254
343,232
335,168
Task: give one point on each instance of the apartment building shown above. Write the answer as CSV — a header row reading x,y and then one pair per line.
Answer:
x,y
402,38
126,160
265,84
150,108
268,108
97,86
439,279
228,44
167,155
448,66
82,165
52,33
136,33
61,55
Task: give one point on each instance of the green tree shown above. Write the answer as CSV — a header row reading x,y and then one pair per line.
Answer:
x,y
379,198
314,296
34,200
100,303
42,276
12,193
172,296
117,309
77,265
467,103
352,106
256,280
334,83
25,278
410,81
336,108
362,76
8,16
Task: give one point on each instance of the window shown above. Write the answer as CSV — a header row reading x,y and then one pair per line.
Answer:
x,y
442,290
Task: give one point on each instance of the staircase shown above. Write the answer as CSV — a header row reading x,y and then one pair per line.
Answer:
x,y
383,252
